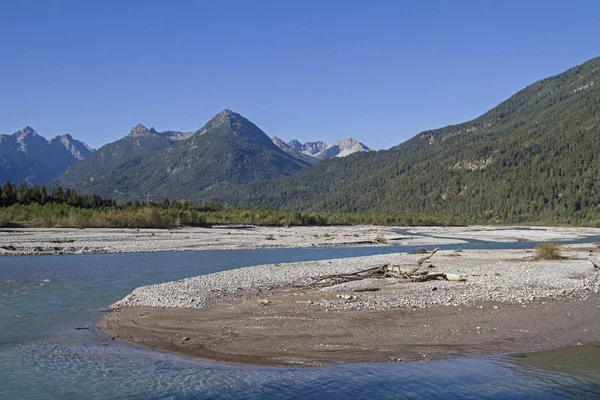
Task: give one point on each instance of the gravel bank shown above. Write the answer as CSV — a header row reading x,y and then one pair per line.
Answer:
x,y
54,241
57,241
498,276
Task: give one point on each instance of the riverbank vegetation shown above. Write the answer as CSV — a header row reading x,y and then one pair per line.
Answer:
x,y
547,251
22,206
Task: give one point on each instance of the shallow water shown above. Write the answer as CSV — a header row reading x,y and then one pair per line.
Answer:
x,y
42,300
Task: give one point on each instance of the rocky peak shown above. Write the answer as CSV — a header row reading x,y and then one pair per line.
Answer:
x,y
226,113
25,133
176,135
313,148
321,150
78,149
30,131
296,145
342,148
141,130
278,141
225,116
348,142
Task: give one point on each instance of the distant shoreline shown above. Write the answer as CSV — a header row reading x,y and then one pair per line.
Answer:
x,y
60,241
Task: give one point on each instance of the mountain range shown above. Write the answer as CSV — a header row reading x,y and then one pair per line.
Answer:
x,y
28,157
534,157
321,150
226,152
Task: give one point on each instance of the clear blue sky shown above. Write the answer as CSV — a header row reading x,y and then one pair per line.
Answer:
x,y
379,71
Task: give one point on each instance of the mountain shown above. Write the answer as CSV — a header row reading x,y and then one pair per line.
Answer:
x,y
320,150
228,151
533,158
28,157
342,148
79,150
287,147
309,148
107,165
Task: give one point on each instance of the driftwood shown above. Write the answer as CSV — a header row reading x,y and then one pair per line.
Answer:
x,y
384,271
422,260
377,271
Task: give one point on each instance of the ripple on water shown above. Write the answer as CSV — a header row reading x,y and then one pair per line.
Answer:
x,y
58,370
42,357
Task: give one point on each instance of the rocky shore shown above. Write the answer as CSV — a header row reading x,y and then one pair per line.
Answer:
x,y
58,241
505,301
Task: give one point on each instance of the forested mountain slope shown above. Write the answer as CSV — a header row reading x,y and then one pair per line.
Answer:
x,y
534,157
229,150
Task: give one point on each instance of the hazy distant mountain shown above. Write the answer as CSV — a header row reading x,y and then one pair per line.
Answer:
x,y
310,148
229,150
28,157
288,148
320,150
534,157
342,148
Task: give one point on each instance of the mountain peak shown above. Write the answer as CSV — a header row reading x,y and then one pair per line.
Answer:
x,y
321,150
78,149
140,130
25,133
225,116
28,157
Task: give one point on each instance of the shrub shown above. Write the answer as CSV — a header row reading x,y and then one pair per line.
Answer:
x,y
547,251
381,239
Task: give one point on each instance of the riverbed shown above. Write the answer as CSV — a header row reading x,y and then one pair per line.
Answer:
x,y
42,354
57,241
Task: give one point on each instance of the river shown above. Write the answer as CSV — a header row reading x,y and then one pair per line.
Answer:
x,y
42,356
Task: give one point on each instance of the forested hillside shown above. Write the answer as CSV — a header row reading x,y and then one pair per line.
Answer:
x,y
533,158
228,151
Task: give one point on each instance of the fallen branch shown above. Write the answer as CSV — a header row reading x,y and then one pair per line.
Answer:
x,y
382,271
330,280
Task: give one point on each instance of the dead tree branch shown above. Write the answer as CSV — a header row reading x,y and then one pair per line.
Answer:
x,y
383,271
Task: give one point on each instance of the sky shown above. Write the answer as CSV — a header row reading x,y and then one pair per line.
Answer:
x,y
378,71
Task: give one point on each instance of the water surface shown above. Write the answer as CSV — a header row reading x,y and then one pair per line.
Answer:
x,y
42,356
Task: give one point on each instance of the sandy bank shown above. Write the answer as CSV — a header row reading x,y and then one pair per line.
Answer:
x,y
37,241
259,315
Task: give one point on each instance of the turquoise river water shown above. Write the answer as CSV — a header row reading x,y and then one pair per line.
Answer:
x,y
42,356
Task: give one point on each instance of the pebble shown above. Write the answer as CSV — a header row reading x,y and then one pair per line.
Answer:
x,y
491,278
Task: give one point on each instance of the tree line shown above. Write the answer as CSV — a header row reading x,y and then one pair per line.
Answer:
x,y
37,207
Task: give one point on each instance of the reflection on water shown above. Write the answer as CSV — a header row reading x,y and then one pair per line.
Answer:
x,y
42,356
